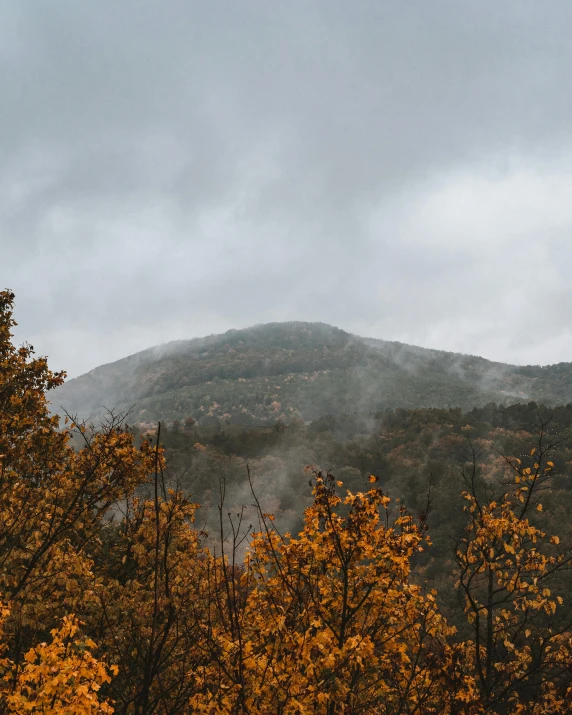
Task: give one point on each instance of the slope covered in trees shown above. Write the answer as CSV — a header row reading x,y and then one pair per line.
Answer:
x,y
299,370
113,600
419,454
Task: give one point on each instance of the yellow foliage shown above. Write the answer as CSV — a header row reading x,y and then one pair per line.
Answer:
x,y
326,621
61,677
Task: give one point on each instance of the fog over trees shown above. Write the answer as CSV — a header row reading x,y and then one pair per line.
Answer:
x,y
285,357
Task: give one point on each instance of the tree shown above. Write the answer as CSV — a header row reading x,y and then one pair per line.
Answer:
x,y
328,621
58,677
54,501
519,652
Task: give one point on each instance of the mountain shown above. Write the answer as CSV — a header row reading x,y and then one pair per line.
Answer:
x,y
299,370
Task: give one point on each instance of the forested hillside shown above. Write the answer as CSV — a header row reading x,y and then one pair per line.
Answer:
x,y
417,455
299,370
430,573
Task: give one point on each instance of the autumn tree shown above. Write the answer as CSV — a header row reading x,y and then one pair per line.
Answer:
x,y
61,676
53,505
328,621
519,650
152,603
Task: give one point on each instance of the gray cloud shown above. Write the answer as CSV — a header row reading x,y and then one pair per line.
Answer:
x,y
401,170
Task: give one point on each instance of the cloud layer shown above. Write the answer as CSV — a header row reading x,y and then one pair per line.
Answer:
x,y
400,170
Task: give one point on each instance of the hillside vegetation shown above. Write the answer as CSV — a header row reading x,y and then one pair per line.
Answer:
x,y
114,599
417,454
299,370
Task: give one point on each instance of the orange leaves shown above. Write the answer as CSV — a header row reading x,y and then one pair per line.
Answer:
x,y
60,677
329,620
505,571
55,678
54,502
330,616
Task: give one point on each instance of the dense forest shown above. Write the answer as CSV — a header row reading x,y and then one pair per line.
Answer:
x,y
404,561
299,370
418,455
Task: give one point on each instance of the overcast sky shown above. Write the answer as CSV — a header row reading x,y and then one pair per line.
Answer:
x,y
402,170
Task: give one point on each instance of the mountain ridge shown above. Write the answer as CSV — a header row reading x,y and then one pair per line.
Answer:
x,y
298,369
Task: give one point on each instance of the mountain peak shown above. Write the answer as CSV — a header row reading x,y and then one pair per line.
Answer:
x,y
299,369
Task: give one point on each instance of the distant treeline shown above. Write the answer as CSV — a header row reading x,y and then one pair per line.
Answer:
x,y
284,371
